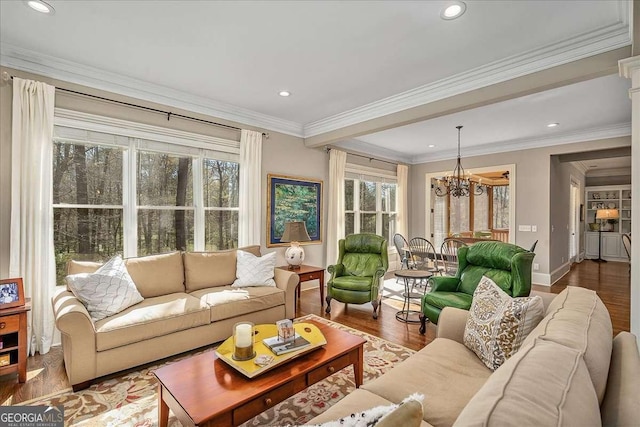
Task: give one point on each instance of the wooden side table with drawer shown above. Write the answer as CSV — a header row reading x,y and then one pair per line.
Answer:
x,y
13,335
307,273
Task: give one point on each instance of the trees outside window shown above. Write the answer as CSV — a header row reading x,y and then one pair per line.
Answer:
x,y
370,207
93,180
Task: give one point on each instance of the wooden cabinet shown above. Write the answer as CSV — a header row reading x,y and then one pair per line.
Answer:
x,y
13,335
607,197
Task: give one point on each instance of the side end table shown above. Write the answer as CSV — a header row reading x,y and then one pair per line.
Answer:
x,y
307,273
406,313
13,334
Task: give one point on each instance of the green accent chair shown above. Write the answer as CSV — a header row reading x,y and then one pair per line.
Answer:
x,y
355,278
509,266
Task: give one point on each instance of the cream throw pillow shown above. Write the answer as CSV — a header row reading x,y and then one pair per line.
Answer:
x,y
107,291
498,323
254,271
406,414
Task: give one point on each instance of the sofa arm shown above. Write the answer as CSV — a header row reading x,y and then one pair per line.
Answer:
x,y
620,404
288,281
451,324
78,337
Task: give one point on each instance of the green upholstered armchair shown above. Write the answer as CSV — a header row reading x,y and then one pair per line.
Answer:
x,y
355,278
509,266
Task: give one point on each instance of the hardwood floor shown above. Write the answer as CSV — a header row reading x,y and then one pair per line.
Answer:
x,y
46,375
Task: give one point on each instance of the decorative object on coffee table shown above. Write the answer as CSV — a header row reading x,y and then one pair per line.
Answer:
x,y
248,368
243,341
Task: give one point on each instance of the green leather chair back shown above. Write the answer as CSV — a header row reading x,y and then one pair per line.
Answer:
x,y
509,266
363,254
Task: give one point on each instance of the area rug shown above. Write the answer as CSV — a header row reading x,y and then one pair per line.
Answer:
x,y
393,294
131,399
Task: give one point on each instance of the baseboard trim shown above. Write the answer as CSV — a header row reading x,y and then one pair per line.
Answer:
x,y
541,279
560,272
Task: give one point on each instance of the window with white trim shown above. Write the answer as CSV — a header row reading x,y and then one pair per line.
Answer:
x,y
370,202
115,193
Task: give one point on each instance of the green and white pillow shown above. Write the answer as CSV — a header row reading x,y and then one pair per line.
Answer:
x,y
498,323
107,291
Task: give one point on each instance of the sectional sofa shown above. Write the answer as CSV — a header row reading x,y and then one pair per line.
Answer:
x,y
188,303
568,372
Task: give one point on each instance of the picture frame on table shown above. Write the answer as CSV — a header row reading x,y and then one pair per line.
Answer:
x,y
11,293
293,199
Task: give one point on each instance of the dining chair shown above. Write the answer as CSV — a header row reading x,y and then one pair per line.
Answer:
x,y
449,255
423,251
402,246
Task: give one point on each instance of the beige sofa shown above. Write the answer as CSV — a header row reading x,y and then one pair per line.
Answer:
x,y
568,372
188,303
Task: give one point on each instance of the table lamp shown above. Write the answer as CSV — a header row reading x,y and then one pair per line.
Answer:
x,y
294,232
604,214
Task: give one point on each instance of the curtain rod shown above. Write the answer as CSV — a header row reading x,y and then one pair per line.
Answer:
x,y
365,157
6,76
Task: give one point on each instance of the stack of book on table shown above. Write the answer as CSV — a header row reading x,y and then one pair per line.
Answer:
x,y
279,346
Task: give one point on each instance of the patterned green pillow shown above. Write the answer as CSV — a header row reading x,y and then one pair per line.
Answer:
x,y
498,323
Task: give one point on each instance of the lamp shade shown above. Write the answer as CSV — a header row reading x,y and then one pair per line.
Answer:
x,y
295,231
607,214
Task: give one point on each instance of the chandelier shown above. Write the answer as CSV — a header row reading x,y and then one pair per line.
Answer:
x,y
459,183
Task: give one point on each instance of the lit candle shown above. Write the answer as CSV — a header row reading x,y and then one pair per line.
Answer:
x,y
243,335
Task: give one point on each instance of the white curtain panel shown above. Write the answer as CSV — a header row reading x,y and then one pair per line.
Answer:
x,y
32,254
335,220
402,223
250,203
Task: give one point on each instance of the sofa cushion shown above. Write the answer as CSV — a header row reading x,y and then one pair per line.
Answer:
x,y
577,318
544,384
227,302
77,267
107,291
446,372
156,275
153,317
254,270
497,323
208,269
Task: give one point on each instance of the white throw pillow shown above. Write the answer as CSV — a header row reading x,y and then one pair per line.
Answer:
x,y
254,271
498,323
107,291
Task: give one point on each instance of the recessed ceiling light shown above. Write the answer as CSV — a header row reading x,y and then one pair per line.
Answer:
x,y
431,145
284,93
40,6
453,10
552,125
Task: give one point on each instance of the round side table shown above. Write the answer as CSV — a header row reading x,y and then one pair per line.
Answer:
x,y
405,315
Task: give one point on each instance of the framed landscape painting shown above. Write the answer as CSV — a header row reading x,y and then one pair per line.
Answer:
x,y
293,199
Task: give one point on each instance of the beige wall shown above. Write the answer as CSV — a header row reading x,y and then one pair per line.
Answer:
x,y
282,154
533,195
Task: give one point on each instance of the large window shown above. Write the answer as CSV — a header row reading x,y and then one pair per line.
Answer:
x,y
116,194
370,206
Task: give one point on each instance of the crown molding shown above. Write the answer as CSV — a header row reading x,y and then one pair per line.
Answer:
x,y
366,149
581,167
608,172
573,49
604,132
73,72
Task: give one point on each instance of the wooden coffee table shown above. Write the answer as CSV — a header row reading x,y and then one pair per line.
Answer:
x,y
204,391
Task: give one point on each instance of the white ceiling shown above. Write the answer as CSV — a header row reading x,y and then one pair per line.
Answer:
x,y
344,62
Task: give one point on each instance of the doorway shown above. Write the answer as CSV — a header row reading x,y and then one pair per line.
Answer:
x,y
574,220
